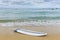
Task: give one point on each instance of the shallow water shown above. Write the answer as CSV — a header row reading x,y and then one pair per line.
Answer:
x,y
13,14
21,17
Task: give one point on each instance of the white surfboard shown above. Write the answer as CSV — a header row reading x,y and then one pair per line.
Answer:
x,y
32,33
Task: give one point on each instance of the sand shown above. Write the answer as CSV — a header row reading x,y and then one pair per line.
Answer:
x,y
7,33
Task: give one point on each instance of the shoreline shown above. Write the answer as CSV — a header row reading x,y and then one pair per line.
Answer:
x,y
32,23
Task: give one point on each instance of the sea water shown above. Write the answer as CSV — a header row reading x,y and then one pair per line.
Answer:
x,y
28,16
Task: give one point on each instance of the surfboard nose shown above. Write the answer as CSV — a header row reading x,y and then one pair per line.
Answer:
x,y
16,30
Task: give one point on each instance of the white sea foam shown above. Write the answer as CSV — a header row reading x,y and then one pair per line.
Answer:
x,y
35,23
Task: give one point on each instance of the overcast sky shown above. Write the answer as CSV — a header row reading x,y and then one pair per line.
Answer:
x,y
30,3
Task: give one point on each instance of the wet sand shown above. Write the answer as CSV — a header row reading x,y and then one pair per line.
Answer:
x,y
7,33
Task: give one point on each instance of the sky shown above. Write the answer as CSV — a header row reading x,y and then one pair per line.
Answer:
x,y
30,3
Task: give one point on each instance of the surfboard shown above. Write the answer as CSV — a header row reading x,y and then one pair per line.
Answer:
x,y
29,32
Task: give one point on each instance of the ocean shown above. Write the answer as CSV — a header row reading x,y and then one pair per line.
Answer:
x,y
28,16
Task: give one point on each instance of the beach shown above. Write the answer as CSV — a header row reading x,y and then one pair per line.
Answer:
x,y
7,33
34,15
29,19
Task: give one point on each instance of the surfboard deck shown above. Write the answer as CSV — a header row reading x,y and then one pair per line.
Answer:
x,y
29,32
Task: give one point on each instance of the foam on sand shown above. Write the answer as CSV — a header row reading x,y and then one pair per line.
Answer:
x,y
35,23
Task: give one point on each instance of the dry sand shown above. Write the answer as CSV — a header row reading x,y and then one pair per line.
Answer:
x,y
7,33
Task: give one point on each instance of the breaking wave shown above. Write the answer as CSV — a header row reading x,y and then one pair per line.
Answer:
x,y
32,23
